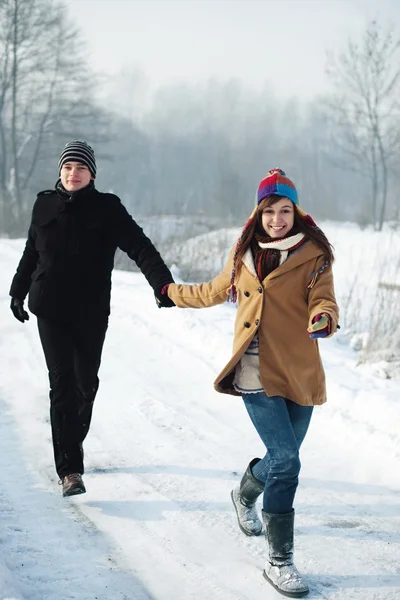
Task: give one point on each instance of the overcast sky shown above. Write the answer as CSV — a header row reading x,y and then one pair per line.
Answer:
x,y
282,42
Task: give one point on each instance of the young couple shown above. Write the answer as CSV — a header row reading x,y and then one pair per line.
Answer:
x,y
279,273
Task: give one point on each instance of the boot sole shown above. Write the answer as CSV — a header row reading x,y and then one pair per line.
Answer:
x,y
75,492
288,594
248,533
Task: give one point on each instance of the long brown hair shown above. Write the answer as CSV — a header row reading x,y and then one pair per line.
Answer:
x,y
302,224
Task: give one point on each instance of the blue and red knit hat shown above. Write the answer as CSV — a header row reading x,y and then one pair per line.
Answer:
x,y
276,183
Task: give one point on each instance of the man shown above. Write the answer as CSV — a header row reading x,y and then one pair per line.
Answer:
x,y
66,268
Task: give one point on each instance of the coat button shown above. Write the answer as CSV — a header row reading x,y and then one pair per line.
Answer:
x,y
247,294
246,324
257,321
260,290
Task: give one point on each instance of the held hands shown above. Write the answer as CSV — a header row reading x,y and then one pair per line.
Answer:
x,y
17,307
321,326
162,298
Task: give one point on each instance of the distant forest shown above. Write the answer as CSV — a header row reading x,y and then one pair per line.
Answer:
x,y
201,149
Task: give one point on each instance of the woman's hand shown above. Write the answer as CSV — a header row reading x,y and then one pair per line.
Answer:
x,y
321,326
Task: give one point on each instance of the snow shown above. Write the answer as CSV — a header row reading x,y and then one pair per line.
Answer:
x,y
164,452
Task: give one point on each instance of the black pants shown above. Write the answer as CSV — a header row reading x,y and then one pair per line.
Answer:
x,y
73,354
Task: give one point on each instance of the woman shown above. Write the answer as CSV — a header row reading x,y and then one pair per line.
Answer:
x,y
280,273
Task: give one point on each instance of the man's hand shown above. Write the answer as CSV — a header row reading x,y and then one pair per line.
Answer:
x,y
162,298
17,306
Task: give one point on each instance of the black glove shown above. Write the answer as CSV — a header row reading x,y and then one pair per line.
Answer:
x,y
162,298
17,306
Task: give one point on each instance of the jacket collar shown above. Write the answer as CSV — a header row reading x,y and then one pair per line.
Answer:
x,y
71,196
306,252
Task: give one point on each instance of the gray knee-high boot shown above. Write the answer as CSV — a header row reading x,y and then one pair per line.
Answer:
x,y
279,568
244,499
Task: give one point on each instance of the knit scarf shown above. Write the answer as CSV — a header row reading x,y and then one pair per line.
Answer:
x,y
269,255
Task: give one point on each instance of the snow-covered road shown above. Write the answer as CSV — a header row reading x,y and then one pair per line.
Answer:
x,y
162,455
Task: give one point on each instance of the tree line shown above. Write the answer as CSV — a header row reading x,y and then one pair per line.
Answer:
x,y
197,149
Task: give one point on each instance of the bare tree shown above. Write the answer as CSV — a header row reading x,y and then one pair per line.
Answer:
x,y
45,96
363,110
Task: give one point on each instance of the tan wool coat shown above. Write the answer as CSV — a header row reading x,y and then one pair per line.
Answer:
x,y
280,308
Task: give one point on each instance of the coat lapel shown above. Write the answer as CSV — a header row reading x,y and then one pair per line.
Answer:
x,y
306,252
302,255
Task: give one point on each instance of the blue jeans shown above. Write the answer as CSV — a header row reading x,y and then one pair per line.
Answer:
x,y
282,426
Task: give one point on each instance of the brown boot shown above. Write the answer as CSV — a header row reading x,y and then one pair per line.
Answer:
x,y
72,485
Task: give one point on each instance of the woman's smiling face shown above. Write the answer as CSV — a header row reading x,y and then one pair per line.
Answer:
x,y
278,219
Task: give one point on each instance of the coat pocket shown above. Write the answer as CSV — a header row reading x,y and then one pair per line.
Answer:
x,y
37,293
46,234
38,273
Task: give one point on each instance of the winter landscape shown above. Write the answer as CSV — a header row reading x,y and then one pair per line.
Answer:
x,y
165,450
181,108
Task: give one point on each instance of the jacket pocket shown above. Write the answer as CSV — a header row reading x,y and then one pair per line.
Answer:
x,y
37,293
38,273
46,234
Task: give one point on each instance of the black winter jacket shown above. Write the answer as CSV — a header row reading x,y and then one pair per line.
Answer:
x,y
69,254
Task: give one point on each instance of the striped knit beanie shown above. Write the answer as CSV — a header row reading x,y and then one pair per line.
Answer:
x,y
276,183
79,151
